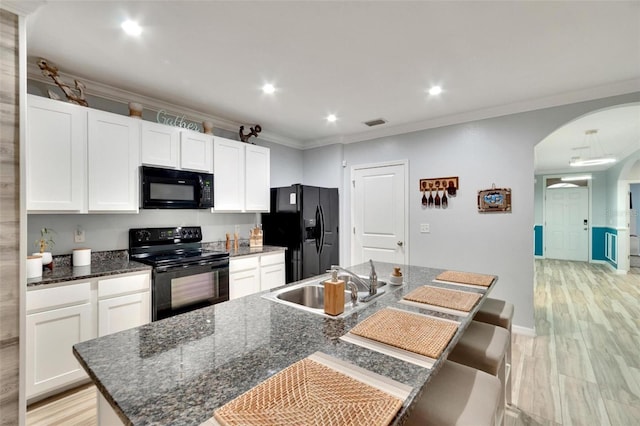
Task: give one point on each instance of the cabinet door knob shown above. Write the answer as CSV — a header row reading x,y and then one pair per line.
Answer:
x,y
399,243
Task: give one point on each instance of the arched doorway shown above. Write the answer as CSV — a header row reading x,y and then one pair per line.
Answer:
x,y
618,134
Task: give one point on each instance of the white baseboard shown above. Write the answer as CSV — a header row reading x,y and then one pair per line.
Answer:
x,y
525,331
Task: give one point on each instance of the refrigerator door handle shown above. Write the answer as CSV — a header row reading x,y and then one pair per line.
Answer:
x,y
317,228
321,229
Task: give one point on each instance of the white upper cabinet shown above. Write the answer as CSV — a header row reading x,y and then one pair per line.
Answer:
x,y
241,176
196,151
113,160
257,178
80,160
55,156
160,145
176,148
228,174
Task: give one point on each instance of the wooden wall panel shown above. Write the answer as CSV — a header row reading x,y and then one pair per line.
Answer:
x,y
9,220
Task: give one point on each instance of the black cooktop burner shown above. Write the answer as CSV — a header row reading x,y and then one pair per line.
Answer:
x,y
166,258
170,246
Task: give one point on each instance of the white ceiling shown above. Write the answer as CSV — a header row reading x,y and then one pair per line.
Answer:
x,y
359,60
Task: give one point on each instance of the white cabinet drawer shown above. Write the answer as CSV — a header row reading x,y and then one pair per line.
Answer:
x,y
243,263
67,295
271,259
110,287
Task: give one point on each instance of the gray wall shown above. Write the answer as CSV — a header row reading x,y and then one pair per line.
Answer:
x,y
481,153
323,166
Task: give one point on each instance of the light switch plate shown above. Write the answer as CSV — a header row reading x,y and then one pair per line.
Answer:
x,y
424,228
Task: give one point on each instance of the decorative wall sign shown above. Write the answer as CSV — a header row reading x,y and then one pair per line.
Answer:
x,y
445,185
494,200
176,120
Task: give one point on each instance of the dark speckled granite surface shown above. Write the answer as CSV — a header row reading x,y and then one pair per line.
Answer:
x,y
103,263
243,248
179,370
113,262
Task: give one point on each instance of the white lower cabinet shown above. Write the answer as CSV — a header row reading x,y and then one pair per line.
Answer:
x,y
272,273
252,274
244,277
123,312
124,302
59,317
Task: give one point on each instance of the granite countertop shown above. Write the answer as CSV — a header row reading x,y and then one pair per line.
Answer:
x,y
243,248
114,262
179,370
103,263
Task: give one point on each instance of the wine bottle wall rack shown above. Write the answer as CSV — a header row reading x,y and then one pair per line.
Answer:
x,y
447,186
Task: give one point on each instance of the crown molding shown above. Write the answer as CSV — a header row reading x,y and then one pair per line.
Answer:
x,y
115,94
21,7
615,89
118,95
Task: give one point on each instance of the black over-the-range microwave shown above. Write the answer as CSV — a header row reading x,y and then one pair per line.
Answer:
x,y
175,189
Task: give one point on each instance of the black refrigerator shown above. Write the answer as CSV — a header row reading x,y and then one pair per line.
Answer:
x,y
304,219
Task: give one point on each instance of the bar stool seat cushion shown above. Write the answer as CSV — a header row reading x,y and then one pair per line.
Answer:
x,y
482,346
457,395
496,312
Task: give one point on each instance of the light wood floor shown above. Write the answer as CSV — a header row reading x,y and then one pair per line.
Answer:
x,y
74,407
582,368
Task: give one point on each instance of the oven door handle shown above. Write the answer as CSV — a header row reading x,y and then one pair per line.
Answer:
x,y
212,265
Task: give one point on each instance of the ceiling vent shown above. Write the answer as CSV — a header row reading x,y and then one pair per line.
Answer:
x,y
376,122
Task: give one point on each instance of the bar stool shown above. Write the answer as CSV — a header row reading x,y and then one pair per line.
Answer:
x,y
457,395
499,313
483,346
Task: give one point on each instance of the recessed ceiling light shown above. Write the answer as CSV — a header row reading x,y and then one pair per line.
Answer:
x,y
131,27
268,88
435,90
574,177
331,118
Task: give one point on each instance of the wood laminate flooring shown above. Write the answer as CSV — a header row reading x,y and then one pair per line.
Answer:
x,y
582,368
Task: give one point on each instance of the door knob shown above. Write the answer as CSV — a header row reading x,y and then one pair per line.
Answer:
x,y
399,243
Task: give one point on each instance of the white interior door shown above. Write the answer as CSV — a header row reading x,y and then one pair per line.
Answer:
x,y
567,226
379,214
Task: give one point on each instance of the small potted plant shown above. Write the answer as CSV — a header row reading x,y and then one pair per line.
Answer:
x,y
44,244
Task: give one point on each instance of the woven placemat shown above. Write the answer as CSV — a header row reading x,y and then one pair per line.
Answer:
x,y
466,278
308,393
452,299
405,330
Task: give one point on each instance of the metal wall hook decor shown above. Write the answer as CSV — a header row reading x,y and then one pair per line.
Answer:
x,y
254,132
49,70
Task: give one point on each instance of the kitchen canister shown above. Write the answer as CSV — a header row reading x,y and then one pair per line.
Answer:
x,y
34,266
81,257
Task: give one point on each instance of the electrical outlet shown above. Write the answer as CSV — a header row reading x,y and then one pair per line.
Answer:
x,y
424,228
78,236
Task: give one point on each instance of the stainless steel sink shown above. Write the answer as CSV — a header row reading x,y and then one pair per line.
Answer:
x,y
345,278
309,296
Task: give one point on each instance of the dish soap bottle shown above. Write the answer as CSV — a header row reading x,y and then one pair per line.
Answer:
x,y
334,295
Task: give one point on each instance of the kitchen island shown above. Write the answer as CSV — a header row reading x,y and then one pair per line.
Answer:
x,y
179,370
